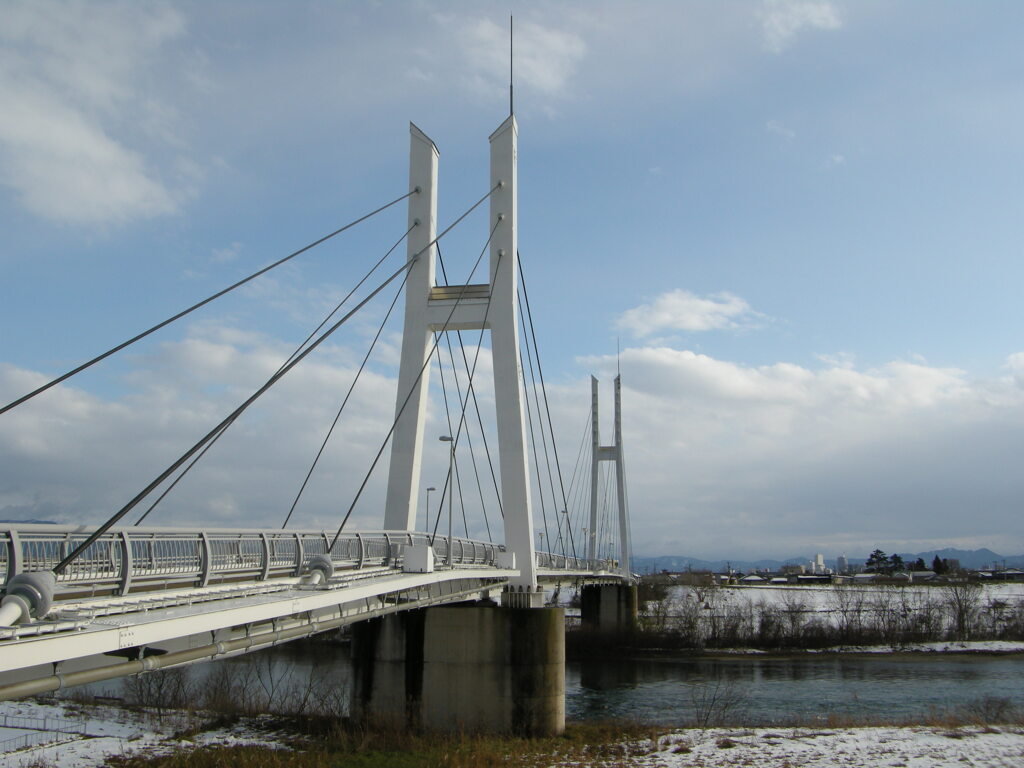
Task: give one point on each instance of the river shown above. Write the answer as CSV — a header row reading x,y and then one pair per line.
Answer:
x,y
753,689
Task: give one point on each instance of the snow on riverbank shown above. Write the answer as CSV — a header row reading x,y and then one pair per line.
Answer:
x,y
103,731
824,597
919,747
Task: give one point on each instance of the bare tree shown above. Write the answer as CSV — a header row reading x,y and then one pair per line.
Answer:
x,y
963,600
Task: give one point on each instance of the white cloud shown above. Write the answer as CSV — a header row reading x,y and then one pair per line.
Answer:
x,y
725,460
681,310
783,20
729,460
73,91
71,456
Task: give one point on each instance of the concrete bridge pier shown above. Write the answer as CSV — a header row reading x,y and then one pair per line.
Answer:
x,y
608,608
472,667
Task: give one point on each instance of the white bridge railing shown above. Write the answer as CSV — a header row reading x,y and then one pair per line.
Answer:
x,y
128,560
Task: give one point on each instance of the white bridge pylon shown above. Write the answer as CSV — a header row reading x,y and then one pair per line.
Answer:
x,y
612,453
493,306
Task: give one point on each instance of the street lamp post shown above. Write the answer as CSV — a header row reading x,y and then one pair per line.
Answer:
x,y
451,492
568,538
426,510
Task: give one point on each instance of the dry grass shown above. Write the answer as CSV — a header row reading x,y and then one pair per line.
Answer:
x,y
321,744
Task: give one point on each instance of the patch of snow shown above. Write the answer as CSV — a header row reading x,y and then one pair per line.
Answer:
x,y
919,747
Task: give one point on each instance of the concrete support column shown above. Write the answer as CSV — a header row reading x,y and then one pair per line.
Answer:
x,y
479,668
608,608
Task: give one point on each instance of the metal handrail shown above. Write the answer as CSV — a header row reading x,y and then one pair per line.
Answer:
x,y
129,560
126,560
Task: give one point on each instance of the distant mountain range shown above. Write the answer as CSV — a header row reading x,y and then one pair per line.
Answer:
x,y
969,558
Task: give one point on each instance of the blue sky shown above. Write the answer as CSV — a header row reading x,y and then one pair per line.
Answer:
x,y
801,220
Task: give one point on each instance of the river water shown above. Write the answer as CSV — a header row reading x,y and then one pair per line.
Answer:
x,y
767,690
753,689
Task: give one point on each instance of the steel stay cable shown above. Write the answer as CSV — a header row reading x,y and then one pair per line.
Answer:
x,y
196,306
270,382
234,415
408,264
298,349
540,421
185,471
344,402
577,491
574,491
540,370
536,456
532,439
476,359
447,476
462,403
455,462
426,362
476,404
579,455
469,439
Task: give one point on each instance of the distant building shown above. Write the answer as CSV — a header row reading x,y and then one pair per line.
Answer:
x,y
842,564
819,563
792,569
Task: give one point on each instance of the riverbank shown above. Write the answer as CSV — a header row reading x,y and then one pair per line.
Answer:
x,y
615,650
125,738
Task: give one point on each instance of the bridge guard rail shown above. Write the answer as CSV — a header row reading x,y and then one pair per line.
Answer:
x,y
136,559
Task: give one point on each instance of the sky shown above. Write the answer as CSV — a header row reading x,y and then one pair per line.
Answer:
x,y
795,226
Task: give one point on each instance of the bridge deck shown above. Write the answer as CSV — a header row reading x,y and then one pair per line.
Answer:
x,y
138,614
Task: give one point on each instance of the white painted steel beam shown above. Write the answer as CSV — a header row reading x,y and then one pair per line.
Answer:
x,y
613,453
515,483
407,440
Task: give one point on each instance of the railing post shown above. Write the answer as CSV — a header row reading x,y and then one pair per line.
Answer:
x,y
299,554
362,551
205,559
14,559
125,579
265,571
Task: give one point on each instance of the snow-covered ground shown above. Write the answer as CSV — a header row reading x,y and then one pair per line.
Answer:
x,y
103,731
107,731
825,597
826,748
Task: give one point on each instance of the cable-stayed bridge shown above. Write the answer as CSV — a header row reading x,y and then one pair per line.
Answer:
x,y
91,602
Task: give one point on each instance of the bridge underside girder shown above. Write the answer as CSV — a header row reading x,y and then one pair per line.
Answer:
x,y
99,639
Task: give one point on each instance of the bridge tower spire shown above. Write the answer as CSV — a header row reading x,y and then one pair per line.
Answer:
x,y
613,453
492,305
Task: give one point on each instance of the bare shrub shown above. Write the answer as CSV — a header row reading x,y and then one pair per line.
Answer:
x,y
770,625
990,710
160,690
963,601
716,703
794,612
846,603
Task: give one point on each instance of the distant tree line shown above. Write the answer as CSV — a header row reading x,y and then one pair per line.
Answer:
x,y
711,616
879,562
